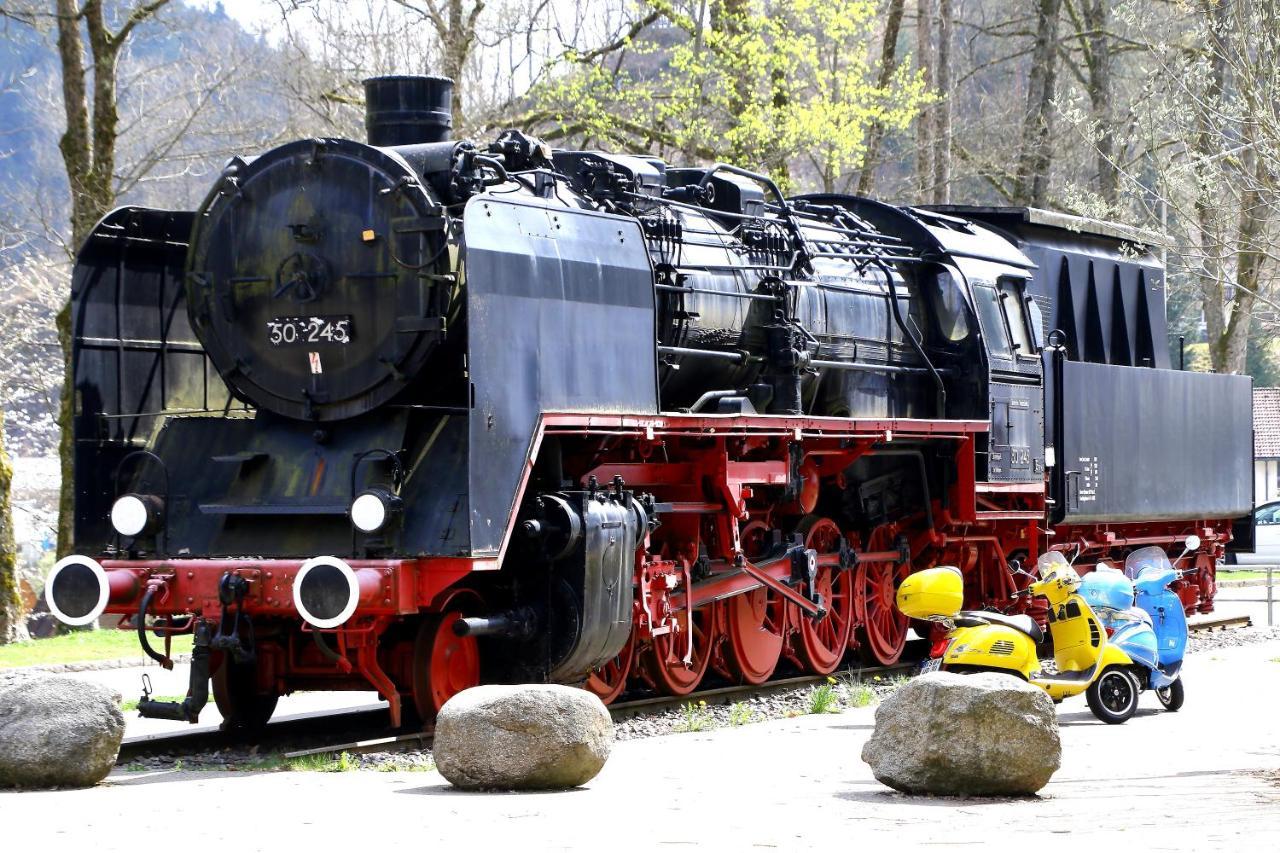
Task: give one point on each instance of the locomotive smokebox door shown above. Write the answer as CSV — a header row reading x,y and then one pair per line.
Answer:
x,y
302,313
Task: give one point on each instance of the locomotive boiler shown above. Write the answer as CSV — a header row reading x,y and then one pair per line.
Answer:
x,y
416,413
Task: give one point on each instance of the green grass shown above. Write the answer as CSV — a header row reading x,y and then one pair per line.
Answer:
x,y
84,646
325,762
824,699
860,694
696,718
1246,575
132,704
740,714
329,762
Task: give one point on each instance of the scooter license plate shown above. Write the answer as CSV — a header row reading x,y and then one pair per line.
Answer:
x,y
931,665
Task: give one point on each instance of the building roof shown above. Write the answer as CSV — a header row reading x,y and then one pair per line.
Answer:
x,y
1266,423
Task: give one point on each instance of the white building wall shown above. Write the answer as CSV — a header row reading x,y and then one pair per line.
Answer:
x,y
1266,480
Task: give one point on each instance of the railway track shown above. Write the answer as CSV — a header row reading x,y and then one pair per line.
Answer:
x,y
1221,624
364,728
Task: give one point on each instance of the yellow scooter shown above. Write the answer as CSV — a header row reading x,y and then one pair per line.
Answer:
x,y
979,641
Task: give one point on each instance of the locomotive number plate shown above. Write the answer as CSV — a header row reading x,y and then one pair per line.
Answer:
x,y
283,331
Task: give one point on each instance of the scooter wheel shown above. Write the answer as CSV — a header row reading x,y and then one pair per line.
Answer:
x,y
1171,697
1113,696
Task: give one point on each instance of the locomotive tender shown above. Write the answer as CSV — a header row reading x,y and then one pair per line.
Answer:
x,y
417,414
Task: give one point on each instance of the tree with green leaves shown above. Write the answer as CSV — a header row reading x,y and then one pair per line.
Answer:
x,y
783,86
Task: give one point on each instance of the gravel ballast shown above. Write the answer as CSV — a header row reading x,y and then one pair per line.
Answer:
x,y
694,717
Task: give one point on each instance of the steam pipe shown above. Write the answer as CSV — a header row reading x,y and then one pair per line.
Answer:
x,y
164,660
915,344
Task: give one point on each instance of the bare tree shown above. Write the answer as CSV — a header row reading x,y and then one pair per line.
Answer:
x,y
942,109
1093,20
925,125
1031,185
454,22
888,67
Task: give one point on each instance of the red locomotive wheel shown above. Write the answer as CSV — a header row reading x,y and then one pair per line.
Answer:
x,y
882,631
755,629
444,664
820,644
664,659
610,680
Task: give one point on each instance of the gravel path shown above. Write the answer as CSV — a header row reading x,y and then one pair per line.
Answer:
x,y
696,716
1207,641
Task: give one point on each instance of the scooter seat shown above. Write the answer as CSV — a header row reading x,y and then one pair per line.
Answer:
x,y
1021,622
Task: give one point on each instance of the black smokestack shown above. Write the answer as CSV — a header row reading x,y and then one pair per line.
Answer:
x,y
407,110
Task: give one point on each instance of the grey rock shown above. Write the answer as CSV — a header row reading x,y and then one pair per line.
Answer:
x,y
528,736
965,735
57,732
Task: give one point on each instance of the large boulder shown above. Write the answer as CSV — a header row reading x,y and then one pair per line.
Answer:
x,y
965,735
57,733
524,736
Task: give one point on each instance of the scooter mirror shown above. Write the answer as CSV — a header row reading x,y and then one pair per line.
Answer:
x,y
1192,542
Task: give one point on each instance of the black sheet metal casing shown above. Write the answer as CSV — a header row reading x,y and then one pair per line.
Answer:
x,y
134,357
560,318
1145,444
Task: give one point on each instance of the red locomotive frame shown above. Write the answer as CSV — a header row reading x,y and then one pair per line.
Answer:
x,y
724,484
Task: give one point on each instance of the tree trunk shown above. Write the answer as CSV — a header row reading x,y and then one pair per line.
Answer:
x,y
75,143
1213,296
942,109
888,65
1096,18
88,147
728,17
77,159
1035,157
11,627
924,121
1250,252
457,39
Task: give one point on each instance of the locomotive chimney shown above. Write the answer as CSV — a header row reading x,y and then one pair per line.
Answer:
x,y
407,110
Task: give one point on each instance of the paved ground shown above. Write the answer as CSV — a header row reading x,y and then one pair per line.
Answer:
x,y
1206,778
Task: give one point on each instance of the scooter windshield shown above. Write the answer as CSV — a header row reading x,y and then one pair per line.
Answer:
x,y
1049,562
1151,557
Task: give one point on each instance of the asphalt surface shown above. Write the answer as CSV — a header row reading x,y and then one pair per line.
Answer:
x,y
1205,778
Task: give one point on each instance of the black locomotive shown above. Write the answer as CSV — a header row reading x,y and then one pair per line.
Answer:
x,y
419,413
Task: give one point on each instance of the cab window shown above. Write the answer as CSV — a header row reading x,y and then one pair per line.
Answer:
x,y
949,307
1015,307
992,319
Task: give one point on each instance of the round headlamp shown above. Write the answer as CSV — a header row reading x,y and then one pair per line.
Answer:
x,y
372,509
133,515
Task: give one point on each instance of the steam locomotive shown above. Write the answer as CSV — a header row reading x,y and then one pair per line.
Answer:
x,y
416,414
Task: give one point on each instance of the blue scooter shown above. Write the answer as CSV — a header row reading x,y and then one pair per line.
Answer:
x,y
1154,632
